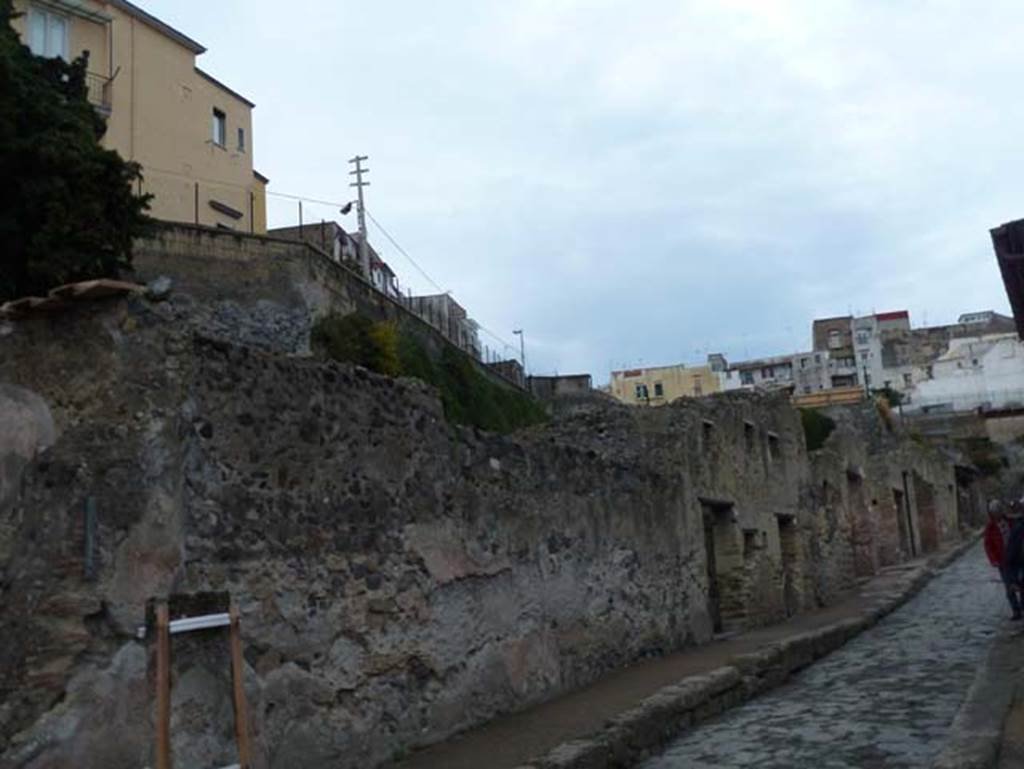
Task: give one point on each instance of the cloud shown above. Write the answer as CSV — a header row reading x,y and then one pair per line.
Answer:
x,y
651,180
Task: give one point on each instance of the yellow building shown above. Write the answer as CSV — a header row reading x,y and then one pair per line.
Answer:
x,y
191,134
663,384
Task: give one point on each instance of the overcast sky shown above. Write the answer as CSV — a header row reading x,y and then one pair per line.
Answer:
x,y
640,183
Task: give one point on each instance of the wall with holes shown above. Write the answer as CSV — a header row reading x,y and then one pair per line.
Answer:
x,y
399,579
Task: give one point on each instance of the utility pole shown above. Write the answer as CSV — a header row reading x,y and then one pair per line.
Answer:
x,y
522,349
364,247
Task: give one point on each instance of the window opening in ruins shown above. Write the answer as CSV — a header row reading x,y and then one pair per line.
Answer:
x,y
707,432
751,542
774,447
749,434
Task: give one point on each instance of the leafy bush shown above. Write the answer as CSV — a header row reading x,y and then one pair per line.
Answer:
x,y
894,397
67,207
984,455
469,397
817,428
357,339
882,405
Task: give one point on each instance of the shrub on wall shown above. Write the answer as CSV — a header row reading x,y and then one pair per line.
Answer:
x,y
357,339
984,455
817,428
68,210
469,397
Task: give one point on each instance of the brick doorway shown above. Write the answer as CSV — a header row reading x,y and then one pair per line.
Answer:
x,y
899,499
789,549
863,530
723,551
927,516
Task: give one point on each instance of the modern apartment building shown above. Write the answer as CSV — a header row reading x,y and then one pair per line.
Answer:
x,y
663,384
191,134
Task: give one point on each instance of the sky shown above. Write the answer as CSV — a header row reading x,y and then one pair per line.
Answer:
x,y
642,183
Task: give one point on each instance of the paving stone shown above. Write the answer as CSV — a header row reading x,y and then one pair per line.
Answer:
x,y
885,699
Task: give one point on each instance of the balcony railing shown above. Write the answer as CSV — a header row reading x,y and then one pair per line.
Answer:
x,y
98,91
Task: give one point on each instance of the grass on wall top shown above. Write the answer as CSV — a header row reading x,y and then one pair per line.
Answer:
x,y
469,397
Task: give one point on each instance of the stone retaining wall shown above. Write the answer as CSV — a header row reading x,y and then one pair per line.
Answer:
x,y
399,579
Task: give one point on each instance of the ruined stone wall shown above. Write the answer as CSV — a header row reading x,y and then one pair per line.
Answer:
x,y
746,463
398,579
901,497
268,292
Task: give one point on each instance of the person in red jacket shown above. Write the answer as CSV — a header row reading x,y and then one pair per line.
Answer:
x,y
997,535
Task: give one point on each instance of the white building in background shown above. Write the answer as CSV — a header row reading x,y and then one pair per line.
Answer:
x,y
975,372
872,343
801,373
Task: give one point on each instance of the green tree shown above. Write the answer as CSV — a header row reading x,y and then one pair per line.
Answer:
x,y
68,210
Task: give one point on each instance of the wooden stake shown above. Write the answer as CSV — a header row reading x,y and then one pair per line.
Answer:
x,y
237,676
163,688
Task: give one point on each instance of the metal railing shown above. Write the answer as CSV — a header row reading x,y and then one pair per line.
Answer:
x,y
97,89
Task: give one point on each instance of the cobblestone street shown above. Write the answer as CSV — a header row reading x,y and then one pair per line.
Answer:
x,y
886,699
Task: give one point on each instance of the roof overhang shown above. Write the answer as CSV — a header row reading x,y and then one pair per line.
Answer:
x,y
211,79
152,21
1008,242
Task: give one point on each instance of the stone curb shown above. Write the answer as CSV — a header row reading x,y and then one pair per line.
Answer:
x,y
976,734
640,731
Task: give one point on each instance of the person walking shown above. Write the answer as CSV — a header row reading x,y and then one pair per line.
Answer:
x,y
997,548
1013,559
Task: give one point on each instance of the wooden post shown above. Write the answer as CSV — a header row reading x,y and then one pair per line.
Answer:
x,y
238,684
163,688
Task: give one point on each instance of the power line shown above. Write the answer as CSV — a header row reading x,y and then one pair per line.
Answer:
x,y
431,280
306,200
401,250
373,219
404,253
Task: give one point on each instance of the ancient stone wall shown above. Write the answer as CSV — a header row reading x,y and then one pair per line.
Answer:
x,y
268,292
398,579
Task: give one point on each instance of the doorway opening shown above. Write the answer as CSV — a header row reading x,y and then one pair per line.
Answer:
x,y
789,548
723,550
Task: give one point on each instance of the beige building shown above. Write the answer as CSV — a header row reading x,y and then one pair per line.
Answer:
x,y
663,384
191,133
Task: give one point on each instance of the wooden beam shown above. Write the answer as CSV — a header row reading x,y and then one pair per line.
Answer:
x,y
163,688
238,683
